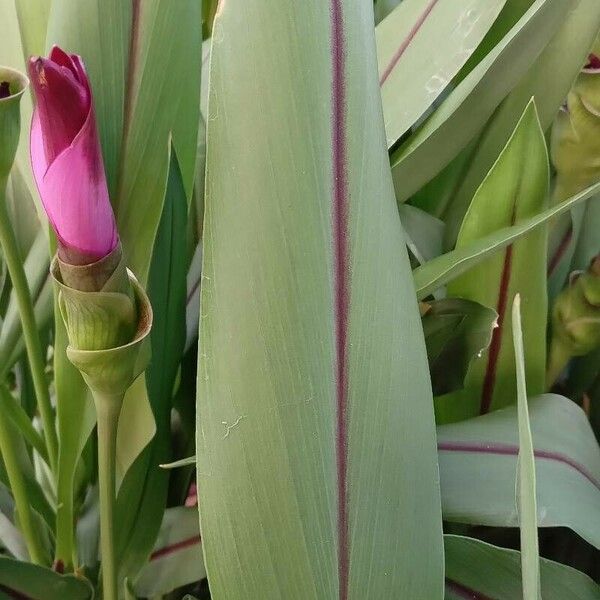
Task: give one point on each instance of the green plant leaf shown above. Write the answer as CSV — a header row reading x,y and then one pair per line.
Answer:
x,y
413,71
567,468
147,484
162,108
177,556
548,80
456,331
462,115
439,271
475,569
331,390
424,233
76,419
33,20
526,488
24,580
516,188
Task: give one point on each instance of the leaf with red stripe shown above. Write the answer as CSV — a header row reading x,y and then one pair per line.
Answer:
x,y
515,189
413,71
478,466
316,451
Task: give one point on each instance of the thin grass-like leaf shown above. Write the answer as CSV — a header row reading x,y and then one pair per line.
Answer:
x,y
526,488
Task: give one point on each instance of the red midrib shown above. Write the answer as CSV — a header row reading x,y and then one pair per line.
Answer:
x,y
489,381
166,550
501,449
407,41
339,216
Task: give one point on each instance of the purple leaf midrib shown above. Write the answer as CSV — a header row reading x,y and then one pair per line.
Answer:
x,y
407,41
501,449
339,216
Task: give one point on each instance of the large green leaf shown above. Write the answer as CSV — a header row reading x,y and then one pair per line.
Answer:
x,y
516,188
30,582
439,271
548,81
406,54
476,570
567,468
462,115
315,425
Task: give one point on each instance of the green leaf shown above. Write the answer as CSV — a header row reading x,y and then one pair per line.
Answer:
x,y
147,485
329,413
516,188
567,468
177,556
33,19
424,233
413,71
74,25
548,80
24,580
76,419
162,108
439,271
456,331
526,488
462,115
475,569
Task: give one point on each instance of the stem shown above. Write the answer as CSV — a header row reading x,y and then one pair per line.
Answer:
x,y
108,409
19,491
30,332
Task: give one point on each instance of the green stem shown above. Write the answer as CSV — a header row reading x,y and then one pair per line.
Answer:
x,y
19,492
108,409
30,332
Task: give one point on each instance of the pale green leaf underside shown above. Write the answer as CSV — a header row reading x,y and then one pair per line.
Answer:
x,y
567,468
406,54
472,102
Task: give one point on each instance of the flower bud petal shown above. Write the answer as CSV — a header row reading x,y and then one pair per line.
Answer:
x,y
12,86
67,159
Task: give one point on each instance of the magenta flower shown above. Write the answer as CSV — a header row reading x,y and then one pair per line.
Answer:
x,y
67,159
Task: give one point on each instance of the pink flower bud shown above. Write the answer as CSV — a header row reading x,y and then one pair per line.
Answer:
x,y
67,159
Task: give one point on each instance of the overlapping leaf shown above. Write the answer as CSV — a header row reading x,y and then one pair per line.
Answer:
x,y
478,465
516,188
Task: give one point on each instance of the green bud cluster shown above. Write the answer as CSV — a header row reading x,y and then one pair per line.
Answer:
x,y
575,142
576,313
